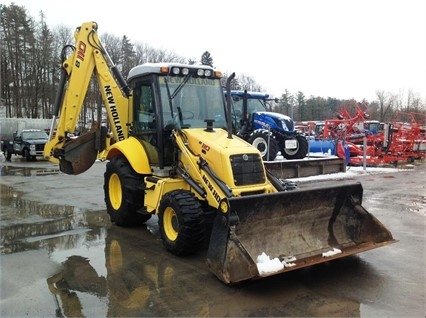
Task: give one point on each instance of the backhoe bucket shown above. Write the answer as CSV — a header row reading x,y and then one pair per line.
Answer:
x,y
265,235
78,155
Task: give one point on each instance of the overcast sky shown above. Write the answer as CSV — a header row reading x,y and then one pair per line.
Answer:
x,y
328,48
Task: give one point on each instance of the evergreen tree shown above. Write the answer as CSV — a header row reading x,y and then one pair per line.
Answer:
x,y
18,42
285,105
127,55
235,84
206,59
300,106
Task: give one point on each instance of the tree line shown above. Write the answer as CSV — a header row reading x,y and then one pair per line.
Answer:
x,y
31,53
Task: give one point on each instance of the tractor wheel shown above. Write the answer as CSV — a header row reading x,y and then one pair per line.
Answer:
x,y
181,222
124,193
260,140
299,152
7,154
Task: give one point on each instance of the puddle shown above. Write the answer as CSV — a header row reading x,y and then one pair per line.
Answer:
x,y
418,205
27,224
101,270
27,171
413,203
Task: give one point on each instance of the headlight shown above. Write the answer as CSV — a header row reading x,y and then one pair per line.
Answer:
x,y
32,147
224,206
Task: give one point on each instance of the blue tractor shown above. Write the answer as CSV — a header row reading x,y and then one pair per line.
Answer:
x,y
268,131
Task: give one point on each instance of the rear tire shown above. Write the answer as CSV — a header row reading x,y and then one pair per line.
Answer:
x,y
181,222
260,140
124,193
298,153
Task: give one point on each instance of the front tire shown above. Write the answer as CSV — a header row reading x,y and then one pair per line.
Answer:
x,y
299,152
26,154
260,139
124,193
181,222
7,154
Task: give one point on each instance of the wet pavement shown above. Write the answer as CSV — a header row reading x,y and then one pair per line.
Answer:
x,y
61,256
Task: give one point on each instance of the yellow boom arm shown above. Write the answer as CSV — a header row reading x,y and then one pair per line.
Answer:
x,y
88,58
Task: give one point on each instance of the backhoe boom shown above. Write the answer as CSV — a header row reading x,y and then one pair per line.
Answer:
x,y
87,59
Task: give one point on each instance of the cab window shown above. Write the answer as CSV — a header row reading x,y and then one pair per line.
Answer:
x,y
144,112
145,121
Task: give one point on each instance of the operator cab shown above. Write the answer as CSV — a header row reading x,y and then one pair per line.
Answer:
x,y
173,96
244,104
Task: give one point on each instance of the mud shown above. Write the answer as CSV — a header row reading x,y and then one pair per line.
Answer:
x,y
61,256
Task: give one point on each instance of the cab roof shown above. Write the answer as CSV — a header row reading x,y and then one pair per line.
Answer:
x,y
156,68
253,95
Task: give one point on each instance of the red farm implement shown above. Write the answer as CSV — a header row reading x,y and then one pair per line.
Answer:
x,y
403,140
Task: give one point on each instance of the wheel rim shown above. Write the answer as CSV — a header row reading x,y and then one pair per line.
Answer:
x,y
170,224
261,145
114,189
291,152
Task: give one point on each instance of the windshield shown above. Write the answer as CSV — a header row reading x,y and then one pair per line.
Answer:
x,y
32,135
197,100
253,105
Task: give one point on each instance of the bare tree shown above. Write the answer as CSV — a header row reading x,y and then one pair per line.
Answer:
x,y
248,83
387,103
147,54
63,35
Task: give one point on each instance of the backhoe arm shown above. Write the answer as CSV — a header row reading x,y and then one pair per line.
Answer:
x,y
88,58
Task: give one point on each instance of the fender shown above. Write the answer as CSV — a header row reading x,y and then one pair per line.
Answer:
x,y
134,152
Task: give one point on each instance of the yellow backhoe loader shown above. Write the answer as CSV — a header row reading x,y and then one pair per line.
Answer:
x,y
170,152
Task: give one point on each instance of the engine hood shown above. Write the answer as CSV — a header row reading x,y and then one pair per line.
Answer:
x,y
219,151
36,141
274,121
215,142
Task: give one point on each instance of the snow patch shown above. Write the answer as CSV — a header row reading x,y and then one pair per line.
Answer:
x,y
288,261
351,171
333,252
266,265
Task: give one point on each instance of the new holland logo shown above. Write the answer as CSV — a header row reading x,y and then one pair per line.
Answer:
x,y
245,157
211,189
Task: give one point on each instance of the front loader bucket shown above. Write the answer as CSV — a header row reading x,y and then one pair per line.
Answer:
x,y
265,235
